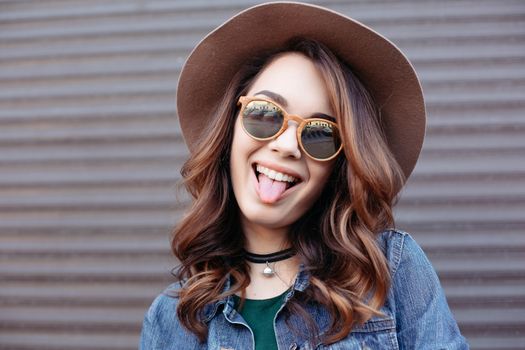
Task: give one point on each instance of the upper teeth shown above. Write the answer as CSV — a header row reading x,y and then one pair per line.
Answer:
x,y
275,175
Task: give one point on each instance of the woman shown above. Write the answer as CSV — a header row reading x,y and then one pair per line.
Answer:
x,y
303,126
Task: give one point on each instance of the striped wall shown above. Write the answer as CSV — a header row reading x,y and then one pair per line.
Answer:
x,y
90,153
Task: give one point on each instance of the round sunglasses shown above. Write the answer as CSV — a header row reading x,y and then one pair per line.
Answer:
x,y
265,120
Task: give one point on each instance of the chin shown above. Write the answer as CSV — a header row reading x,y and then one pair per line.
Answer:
x,y
269,217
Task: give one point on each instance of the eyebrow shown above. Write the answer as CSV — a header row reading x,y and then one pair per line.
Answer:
x,y
282,101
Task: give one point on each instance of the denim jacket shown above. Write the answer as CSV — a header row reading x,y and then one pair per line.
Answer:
x,y
416,312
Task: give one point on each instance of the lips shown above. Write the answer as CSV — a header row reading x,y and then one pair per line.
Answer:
x,y
272,184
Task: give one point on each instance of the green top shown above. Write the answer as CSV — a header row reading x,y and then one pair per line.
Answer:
x,y
259,315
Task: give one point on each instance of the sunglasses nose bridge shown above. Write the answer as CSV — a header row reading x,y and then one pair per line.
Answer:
x,y
296,119
300,124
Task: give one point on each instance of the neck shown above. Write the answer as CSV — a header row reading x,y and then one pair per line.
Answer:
x,y
261,239
264,240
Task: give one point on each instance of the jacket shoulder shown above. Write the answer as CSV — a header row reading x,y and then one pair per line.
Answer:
x,y
403,252
422,316
165,303
398,245
161,328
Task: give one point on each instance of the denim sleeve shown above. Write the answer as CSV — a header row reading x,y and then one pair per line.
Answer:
x,y
423,318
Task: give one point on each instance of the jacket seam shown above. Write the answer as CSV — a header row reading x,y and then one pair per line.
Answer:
x,y
398,247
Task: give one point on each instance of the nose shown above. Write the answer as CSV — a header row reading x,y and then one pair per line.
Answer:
x,y
286,144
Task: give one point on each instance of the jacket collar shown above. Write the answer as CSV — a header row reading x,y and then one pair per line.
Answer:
x,y
302,280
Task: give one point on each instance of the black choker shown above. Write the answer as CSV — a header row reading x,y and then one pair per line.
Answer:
x,y
268,258
269,271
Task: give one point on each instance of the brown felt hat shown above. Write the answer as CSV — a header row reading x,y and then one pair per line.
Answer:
x,y
380,65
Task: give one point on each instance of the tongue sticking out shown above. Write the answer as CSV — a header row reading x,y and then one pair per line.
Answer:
x,y
269,190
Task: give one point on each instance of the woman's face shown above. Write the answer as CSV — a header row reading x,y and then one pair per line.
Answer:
x,y
263,201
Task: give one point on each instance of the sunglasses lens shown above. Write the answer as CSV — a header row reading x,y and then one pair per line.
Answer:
x,y
320,139
262,119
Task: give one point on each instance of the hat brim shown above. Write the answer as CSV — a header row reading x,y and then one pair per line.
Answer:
x,y
382,67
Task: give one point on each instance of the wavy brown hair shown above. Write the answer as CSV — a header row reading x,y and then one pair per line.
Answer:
x,y
336,239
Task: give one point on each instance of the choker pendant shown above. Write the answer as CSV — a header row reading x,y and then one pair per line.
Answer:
x,y
268,271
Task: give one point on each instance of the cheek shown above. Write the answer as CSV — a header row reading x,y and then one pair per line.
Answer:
x,y
319,175
242,145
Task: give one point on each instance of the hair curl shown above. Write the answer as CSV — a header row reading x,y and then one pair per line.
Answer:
x,y
335,239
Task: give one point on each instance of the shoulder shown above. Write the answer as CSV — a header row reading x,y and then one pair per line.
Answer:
x,y
161,328
411,271
165,303
417,300
400,248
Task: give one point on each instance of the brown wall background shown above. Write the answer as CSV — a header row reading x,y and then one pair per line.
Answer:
x,y
90,153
